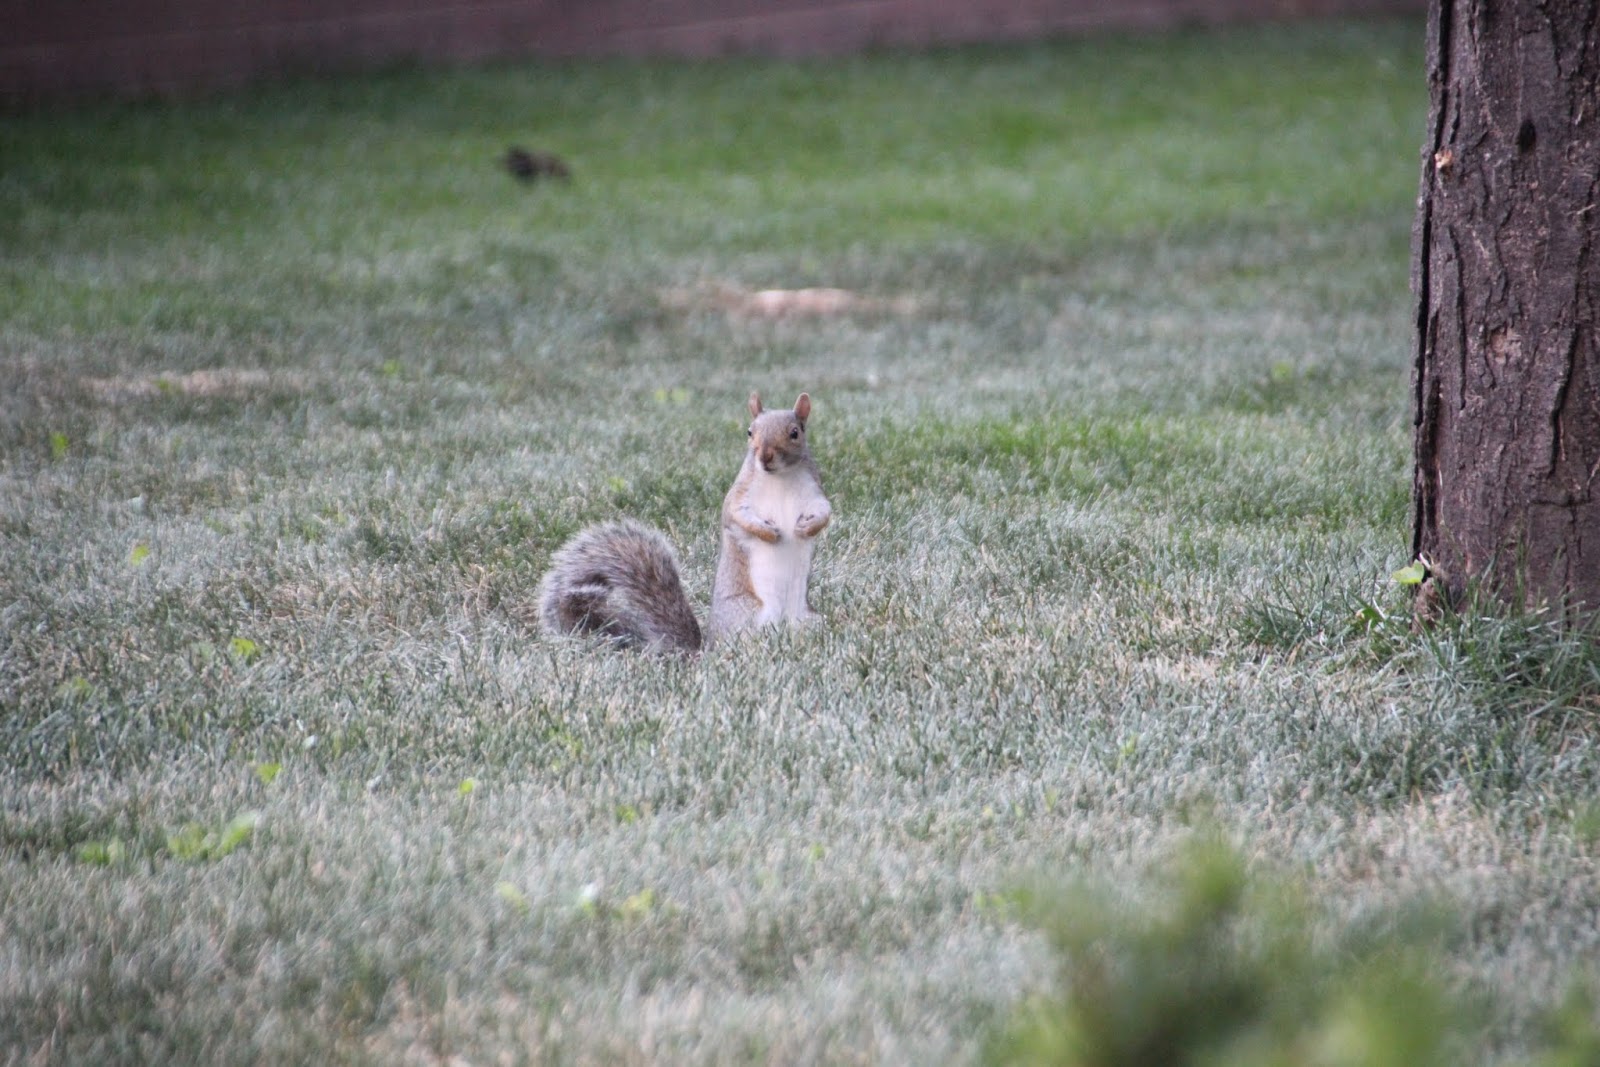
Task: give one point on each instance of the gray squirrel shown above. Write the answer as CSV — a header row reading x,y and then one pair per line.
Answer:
x,y
620,579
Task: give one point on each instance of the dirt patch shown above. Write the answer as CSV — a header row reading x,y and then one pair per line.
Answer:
x,y
784,303
220,382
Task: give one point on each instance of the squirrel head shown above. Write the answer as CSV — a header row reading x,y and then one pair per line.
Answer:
x,y
778,438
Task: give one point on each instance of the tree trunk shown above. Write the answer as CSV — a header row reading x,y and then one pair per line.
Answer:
x,y
1504,271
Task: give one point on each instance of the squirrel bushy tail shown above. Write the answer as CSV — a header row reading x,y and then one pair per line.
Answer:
x,y
619,580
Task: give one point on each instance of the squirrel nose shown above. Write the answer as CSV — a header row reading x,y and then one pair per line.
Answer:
x,y
766,456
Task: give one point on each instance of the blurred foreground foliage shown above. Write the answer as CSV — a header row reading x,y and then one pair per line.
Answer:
x,y
1223,967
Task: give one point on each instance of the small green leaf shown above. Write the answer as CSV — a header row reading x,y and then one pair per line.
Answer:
x,y
512,896
194,843
58,445
140,553
1367,617
244,648
627,814
639,905
467,786
588,901
1412,574
267,772
1586,823
188,842
1001,906
237,832
75,688
103,853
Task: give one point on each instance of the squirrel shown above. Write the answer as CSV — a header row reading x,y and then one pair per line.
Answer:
x,y
620,579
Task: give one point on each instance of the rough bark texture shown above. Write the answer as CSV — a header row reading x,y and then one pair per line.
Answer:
x,y
1505,274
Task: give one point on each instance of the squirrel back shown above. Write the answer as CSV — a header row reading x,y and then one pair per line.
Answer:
x,y
619,580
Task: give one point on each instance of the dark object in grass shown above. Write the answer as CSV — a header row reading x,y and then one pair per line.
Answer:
x,y
531,166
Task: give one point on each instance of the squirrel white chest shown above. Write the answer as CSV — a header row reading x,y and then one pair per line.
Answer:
x,y
779,571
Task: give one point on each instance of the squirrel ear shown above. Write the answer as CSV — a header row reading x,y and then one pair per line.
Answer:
x,y
755,404
802,407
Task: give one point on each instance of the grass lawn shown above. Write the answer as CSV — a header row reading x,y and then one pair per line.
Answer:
x,y
301,390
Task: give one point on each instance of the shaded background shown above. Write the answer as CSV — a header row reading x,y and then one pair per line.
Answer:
x,y
53,51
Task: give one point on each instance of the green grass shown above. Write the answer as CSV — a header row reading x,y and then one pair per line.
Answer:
x,y
302,391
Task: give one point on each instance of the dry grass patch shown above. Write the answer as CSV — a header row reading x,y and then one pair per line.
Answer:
x,y
738,301
230,383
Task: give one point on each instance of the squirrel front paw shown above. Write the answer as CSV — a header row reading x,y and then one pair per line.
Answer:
x,y
766,530
812,523
757,526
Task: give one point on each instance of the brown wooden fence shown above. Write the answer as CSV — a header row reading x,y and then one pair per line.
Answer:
x,y
54,49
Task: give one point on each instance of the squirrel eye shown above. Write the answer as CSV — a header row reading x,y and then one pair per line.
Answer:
x,y
750,432
794,433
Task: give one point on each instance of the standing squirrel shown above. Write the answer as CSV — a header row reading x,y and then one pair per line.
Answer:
x,y
620,579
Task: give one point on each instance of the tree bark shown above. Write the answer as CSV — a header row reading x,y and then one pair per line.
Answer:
x,y
1504,271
